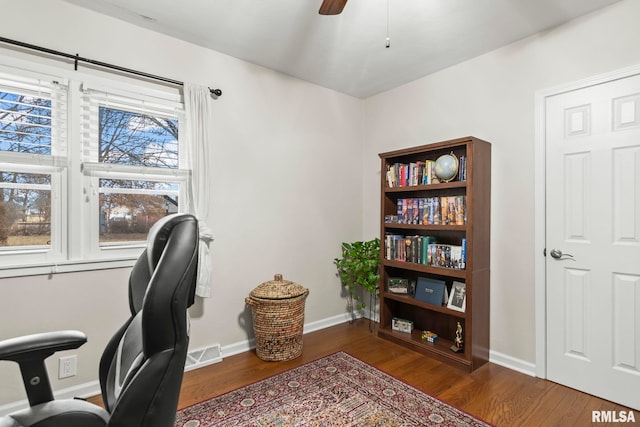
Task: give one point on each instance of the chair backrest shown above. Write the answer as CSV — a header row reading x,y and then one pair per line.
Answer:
x,y
142,366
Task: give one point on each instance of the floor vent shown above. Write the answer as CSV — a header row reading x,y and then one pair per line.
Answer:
x,y
203,357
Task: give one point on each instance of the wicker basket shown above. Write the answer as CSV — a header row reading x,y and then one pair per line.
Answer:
x,y
278,318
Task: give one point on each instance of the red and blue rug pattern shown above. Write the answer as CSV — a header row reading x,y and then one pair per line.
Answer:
x,y
337,390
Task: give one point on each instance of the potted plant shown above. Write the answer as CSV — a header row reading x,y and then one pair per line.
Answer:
x,y
359,267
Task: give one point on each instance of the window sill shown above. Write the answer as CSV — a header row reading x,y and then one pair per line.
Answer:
x,y
50,268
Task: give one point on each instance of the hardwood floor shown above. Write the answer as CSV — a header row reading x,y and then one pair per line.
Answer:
x,y
493,393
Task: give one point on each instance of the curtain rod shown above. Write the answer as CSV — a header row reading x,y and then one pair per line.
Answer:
x,y
77,58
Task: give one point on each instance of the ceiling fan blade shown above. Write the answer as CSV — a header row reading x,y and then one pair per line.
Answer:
x,y
332,7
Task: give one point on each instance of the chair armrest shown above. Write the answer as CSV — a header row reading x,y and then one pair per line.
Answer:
x,y
29,352
40,346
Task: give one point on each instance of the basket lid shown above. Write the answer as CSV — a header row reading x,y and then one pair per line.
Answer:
x,y
278,288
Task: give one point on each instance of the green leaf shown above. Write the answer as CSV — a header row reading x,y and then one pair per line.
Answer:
x,y
359,266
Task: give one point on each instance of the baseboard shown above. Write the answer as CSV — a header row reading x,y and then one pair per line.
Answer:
x,y
512,363
326,323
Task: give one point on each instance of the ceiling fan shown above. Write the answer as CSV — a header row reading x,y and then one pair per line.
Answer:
x,y
332,7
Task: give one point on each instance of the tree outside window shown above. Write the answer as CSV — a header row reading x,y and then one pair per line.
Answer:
x,y
129,207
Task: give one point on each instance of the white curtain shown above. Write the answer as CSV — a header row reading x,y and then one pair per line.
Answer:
x,y
197,101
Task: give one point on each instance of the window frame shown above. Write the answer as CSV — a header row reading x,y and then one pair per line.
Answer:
x,y
75,244
37,253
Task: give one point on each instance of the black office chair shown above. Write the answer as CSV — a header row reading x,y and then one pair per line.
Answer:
x,y
142,366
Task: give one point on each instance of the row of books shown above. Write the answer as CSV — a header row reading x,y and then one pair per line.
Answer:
x,y
449,210
424,250
420,173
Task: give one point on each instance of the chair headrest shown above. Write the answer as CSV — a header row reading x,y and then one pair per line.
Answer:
x,y
159,235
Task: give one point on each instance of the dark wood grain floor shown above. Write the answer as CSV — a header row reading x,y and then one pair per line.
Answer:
x,y
493,393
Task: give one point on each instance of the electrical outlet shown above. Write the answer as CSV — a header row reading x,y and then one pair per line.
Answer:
x,y
67,366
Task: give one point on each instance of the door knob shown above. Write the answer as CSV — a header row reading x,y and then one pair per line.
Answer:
x,y
557,254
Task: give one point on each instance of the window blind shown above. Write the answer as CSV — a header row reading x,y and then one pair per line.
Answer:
x,y
137,106
33,117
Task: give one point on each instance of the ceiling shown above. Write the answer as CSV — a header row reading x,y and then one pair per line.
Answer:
x,y
347,52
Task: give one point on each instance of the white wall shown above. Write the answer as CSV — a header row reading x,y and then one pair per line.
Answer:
x,y
492,97
287,188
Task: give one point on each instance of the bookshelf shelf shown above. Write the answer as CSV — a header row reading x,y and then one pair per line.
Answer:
x,y
428,227
428,187
439,350
426,234
449,272
411,300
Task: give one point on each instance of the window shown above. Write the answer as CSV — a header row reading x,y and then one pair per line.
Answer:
x,y
128,208
25,209
32,137
86,167
132,160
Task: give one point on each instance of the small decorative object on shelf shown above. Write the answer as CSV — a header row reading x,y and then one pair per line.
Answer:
x,y
447,167
435,230
399,285
458,344
402,325
429,336
458,298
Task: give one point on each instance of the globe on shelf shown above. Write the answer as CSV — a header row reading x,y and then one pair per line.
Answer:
x,y
446,167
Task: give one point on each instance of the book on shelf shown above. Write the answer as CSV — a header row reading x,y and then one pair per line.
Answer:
x,y
424,250
432,291
462,168
418,173
435,217
429,173
463,254
445,210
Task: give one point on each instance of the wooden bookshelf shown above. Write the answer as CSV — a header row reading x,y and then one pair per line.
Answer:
x,y
474,186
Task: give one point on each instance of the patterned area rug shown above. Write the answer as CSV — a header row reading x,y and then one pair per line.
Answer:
x,y
337,390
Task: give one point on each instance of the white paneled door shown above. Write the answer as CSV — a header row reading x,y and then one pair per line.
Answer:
x,y
593,239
